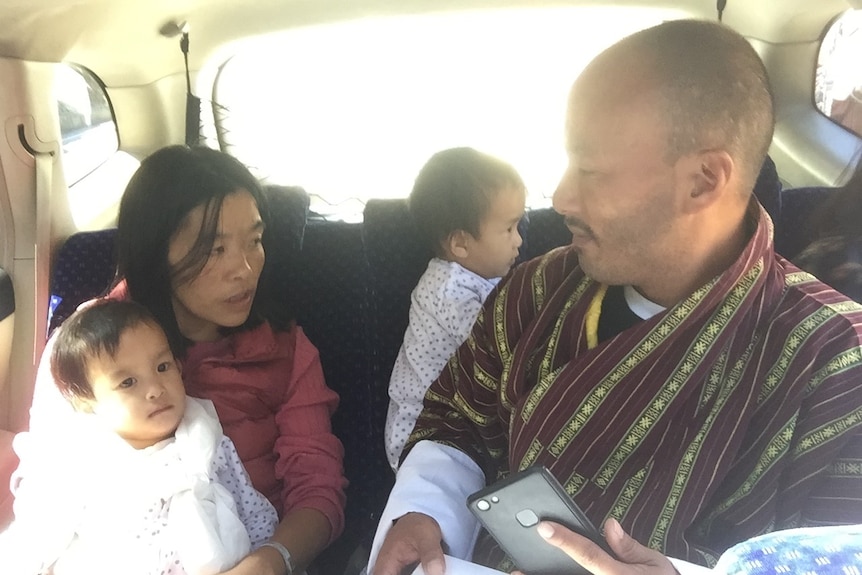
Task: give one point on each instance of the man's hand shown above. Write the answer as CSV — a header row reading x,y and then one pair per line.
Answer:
x,y
633,558
414,537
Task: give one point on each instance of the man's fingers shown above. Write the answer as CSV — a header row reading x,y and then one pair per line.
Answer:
x,y
393,561
414,537
588,554
627,548
395,555
433,564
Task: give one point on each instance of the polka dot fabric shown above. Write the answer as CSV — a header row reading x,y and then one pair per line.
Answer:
x,y
443,309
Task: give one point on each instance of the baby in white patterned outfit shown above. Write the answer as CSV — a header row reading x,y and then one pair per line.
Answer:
x,y
142,481
467,205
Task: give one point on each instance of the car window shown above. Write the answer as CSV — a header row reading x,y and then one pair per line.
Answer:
x,y
96,172
352,110
838,82
86,121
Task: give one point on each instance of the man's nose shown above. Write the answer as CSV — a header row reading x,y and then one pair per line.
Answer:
x,y
566,195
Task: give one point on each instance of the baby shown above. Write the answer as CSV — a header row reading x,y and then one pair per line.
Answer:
x,y
143,479
467,205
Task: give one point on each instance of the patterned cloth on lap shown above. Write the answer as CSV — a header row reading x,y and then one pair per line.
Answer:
x,y
809,551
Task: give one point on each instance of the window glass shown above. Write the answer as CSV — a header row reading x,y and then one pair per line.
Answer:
x,y
838,82
86,121
353,110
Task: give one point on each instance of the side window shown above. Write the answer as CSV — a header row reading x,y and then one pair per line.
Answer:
x,y
838,82
86,122
96,172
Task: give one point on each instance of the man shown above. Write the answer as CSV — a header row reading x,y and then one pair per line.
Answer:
x,y
671,370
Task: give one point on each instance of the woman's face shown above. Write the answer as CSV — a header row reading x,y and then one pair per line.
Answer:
x,y
222,293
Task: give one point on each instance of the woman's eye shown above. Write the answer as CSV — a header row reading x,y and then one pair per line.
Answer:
x,y
218,250
127,383
163,367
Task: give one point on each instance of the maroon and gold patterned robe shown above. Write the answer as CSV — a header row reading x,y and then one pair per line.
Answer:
x,y
735,412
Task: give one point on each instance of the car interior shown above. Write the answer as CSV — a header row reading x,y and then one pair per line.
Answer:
x,y
91,87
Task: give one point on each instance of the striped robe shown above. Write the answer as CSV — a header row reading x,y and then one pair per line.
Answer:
x,y
733,413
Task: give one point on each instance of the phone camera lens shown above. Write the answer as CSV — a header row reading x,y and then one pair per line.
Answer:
x,y
483,505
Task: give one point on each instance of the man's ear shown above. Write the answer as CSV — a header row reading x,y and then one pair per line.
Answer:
x,y
707,175
457,244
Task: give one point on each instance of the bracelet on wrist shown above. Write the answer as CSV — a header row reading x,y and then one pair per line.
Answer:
x,y
285,554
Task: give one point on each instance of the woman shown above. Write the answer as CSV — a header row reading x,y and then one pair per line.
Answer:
x,y
835,256
191,247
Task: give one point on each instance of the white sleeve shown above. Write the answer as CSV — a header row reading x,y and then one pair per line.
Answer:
x,y
46,517
435,479
423,353
254,510
442,313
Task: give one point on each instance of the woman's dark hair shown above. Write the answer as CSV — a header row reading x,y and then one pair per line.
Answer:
x,y
168,185
88,333
454,190
842,212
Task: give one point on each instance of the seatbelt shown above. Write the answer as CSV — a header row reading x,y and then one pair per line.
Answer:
x,y
42,250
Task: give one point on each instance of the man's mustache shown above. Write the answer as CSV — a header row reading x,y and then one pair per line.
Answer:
x,y
578,224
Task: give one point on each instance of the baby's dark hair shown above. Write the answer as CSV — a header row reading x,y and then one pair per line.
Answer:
x,y
454,190
87,333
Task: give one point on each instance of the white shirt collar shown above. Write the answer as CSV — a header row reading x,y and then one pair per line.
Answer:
x,y
641,306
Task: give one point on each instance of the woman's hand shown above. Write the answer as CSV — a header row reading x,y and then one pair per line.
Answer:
x,y
632,557
263,561
304,532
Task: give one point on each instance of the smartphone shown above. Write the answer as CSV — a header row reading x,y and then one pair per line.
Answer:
x,y
510,509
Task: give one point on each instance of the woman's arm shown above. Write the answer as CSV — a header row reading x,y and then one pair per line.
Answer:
x,y
304,532
309,464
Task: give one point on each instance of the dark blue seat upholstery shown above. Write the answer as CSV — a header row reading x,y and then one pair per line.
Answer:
x,y
331,292
768,189
793,230
83,269
397,256
545,230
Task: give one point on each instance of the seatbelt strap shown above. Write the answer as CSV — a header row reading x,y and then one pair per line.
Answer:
x,y
43,153
44,186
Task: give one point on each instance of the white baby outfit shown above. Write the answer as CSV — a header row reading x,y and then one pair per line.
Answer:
x,y
443,309
89,503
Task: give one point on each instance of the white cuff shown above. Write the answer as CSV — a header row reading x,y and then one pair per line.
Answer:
x,y
435,480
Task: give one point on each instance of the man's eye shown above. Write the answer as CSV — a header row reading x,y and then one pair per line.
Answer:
x,y
164,366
